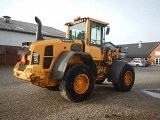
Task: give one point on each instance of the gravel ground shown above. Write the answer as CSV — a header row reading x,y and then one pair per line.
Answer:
x,y
20,100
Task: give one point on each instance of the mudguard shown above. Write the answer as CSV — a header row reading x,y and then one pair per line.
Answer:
x,y
60,66
115,70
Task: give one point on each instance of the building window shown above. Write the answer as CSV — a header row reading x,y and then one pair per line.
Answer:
x,y
157,53
157,61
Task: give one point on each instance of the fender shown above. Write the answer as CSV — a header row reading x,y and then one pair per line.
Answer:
x,y
115,70
60,66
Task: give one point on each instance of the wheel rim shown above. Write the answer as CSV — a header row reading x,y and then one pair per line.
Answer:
x,y
81,83
128,78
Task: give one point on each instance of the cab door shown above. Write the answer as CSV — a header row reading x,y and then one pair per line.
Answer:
x,y
96,40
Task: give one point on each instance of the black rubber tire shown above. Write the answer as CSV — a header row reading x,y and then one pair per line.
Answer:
x,y
137,65
66,85
116,87
120,85
54,88
99,81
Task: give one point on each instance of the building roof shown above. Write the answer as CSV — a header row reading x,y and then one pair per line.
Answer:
x,y
29,28
139,50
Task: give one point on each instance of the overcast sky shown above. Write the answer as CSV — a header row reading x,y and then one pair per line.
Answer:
x,y
131,21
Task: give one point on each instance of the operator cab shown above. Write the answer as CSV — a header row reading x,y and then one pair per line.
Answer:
x,y
90,30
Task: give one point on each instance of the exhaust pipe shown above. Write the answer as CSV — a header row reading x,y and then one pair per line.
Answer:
x,y
39,35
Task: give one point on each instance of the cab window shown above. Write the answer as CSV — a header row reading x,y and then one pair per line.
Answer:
x,y
78,31
96,33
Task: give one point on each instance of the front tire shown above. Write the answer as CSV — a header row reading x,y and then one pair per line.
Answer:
x,y
77,83
126,79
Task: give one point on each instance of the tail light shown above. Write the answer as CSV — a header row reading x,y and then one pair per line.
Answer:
x,y
23,58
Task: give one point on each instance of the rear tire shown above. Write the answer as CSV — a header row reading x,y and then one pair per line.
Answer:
x,y
126,79
77,83
137,65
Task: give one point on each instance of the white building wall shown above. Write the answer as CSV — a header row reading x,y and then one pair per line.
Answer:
x,y
15,39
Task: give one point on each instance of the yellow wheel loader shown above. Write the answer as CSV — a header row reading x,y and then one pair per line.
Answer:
x,y
75,63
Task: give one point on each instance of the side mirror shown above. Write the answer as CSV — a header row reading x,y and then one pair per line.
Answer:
x,y
107,30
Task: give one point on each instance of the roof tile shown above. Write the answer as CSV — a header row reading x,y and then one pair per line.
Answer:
x,y
133,50
24,27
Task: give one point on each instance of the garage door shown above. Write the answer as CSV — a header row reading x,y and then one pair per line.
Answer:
x,y
157,61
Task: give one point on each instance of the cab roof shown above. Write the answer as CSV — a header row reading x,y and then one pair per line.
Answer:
x,y
79,19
